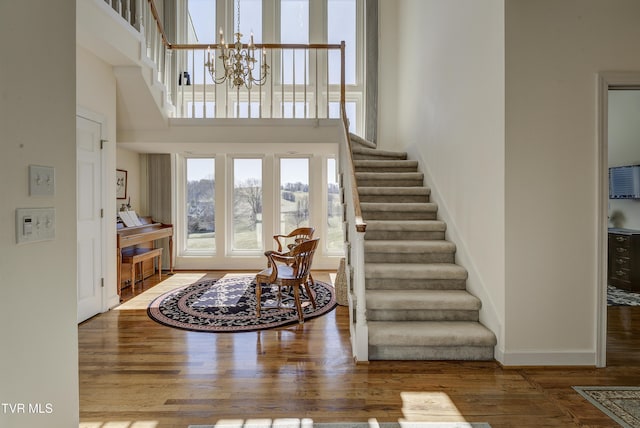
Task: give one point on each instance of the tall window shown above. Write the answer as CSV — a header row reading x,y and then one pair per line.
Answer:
x,y
247,204
294,193
335,238
341,25
294,28
201,26
200,209
250,19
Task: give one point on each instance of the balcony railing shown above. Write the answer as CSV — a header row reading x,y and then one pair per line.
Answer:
x,y
299,84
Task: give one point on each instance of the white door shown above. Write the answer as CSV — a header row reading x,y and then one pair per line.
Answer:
x,y
89,201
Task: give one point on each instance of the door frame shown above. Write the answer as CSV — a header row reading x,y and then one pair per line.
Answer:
x,y
102,121
606,80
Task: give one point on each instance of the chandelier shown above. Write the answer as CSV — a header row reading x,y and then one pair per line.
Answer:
x,y
239,62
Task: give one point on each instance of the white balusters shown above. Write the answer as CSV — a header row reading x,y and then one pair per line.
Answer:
x,y
139,23
354,250
127,11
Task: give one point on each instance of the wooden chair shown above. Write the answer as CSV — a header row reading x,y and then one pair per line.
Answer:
x,y
287,242
290,269
298,235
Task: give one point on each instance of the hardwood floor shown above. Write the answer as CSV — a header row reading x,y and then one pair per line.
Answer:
x,y
136,373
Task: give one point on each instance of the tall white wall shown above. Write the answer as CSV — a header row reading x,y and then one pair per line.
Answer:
x,y
39,350
449,113
624,147
554,51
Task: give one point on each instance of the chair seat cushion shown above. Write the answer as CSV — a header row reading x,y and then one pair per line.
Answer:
x,y
284,272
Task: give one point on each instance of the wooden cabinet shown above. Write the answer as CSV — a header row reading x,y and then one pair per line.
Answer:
x,y
624,259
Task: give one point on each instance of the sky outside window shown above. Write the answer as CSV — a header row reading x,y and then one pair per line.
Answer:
x,y
341,25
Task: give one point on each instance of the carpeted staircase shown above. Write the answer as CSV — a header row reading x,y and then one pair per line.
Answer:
x,y
417,304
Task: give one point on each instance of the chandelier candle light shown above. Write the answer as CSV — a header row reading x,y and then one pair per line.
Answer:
x,y
238,61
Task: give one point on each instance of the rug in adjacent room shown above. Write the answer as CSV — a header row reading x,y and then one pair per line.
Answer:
x,y
619,297
620,403
229,305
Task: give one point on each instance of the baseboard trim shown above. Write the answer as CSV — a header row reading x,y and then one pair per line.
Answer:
x,y
584,358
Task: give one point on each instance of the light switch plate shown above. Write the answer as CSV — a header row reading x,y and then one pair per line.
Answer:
x,y
35,224
41,180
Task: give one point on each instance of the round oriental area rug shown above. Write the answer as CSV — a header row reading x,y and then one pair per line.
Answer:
x,y
229,305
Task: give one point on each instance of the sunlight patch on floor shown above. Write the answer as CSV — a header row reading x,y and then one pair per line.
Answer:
x,y
264,423
119,424
177,280
429,405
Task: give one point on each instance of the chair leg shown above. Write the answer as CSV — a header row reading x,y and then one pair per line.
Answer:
x,y
258,297
309,292
133,276
141,276
296,295
160,267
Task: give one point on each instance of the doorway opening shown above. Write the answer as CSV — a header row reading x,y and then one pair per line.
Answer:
x,y
623,229
618,321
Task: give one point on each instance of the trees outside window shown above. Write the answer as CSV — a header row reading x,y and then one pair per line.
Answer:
x,y
247,204
200,201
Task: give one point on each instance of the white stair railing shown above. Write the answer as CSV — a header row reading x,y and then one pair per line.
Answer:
x,y
354,229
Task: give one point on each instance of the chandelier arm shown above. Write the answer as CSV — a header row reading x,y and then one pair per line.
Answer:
x,y
238,61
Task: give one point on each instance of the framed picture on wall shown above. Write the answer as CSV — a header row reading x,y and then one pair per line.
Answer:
x,y
121,184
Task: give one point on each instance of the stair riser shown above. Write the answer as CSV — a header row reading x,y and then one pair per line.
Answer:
x,y
398,215
386,169
376,235
431,353
381,182
415,284
381,199
379,257
421,315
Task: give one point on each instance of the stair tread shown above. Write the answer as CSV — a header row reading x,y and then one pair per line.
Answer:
x,y
400,175
422,299
414,225
362,141
379,153
408,246
398,206
429,333
385,163
415,270
394,190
